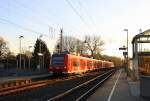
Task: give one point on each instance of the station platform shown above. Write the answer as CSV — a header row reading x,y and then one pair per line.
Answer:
x,y
118,88
14,78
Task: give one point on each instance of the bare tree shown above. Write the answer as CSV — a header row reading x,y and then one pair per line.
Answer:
x,y
71,45
80,47
4,50
94,44
74,45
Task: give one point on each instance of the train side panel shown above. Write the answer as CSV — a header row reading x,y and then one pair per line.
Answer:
x,y
74,64
68,63
82,64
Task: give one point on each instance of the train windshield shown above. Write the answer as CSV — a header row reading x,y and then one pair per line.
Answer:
x,y
58,60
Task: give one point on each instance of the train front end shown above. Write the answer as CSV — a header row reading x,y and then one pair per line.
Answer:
x,y
58,64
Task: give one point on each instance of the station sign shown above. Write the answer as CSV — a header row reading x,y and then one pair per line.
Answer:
x,y
125,53
122,48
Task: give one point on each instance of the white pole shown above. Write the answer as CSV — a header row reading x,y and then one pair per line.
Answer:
x,y
20,50
24,63
29,57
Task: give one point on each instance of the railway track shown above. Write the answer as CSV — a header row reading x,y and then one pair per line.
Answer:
x,y
7,88
82,91
23,86
47,89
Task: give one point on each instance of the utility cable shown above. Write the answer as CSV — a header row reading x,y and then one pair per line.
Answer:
x,y
77,13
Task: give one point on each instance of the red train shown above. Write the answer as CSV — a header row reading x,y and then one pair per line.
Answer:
x,y
67,63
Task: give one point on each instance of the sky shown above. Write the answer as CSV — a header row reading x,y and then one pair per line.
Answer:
x,y
105,18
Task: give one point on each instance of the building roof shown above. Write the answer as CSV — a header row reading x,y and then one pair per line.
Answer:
x,y
145,34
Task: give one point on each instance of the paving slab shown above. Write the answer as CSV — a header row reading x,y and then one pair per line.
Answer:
x,y
116,88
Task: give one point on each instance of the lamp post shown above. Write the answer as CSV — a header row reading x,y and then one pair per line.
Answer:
x,y
20,37
29,56
124,53
61,40
40,54
127,47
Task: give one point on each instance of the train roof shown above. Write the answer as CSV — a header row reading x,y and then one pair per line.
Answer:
x,y
81,57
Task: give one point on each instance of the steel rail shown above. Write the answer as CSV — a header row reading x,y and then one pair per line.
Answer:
x,y
85,95
22,87
27,85
59,96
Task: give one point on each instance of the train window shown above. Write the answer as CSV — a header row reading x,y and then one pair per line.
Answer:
x,y
89,64
58,61
76,64
94,64
85,64
82,63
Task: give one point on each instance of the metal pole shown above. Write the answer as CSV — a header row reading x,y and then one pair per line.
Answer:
x,y
43,61
20,50
127,48
39,55
40,51
7,63
29,56
20,54
61,40
17,64
29,63
24,64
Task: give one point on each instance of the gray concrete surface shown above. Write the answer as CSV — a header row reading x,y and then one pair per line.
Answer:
x,y
115,90
9,79
9,73
136,89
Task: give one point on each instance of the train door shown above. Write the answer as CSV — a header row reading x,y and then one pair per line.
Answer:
x,y
82,64
75,65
